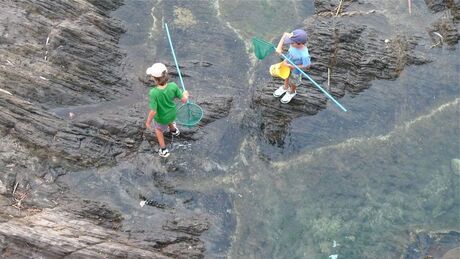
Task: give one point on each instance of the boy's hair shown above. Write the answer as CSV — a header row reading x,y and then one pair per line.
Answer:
x,y
163,79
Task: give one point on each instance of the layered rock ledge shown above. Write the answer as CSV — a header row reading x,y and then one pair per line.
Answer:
x,y
348,53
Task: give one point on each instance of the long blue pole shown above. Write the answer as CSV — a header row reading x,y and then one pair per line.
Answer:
x,y
174,56
313,81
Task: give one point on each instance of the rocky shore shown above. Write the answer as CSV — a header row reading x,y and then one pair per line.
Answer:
x,y
58,55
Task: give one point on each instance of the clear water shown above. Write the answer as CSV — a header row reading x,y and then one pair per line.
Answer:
x,y
364,179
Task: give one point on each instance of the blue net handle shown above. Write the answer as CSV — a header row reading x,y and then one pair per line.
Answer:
x,y
189,114
174,56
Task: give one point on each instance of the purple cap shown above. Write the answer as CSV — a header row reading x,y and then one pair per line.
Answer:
x,y
298,36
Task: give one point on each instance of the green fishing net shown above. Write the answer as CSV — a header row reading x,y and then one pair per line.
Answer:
x,y
189,114
262,48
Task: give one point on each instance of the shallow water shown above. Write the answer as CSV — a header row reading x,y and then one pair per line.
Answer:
x,y
364,179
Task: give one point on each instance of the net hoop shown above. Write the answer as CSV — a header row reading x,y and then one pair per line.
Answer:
x,y
189,114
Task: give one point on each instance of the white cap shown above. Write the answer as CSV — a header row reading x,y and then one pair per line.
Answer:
x,y
156,70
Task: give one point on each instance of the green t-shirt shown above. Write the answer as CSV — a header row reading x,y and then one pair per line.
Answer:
x,y
162,101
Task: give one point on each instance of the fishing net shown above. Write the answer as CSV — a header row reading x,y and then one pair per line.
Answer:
x,y
189,114
262,48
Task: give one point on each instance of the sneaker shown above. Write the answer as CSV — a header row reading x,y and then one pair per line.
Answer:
x,y
288,97
280,91
163,152
175,132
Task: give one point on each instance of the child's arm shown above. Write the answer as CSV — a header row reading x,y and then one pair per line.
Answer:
x,y
279,48
148,123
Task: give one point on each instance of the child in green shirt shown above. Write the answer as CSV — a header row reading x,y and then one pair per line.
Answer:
x,y
162,106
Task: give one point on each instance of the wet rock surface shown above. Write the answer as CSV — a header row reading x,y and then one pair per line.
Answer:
x,y
42,217
67,68
66,107
60,53
440,5
63,235
445,29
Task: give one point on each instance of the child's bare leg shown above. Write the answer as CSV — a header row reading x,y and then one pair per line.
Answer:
x,y
286,83
160,138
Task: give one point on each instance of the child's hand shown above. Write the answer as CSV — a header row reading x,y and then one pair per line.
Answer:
x,y
184,98
185,94
287,34
279,48
148,126
287,64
